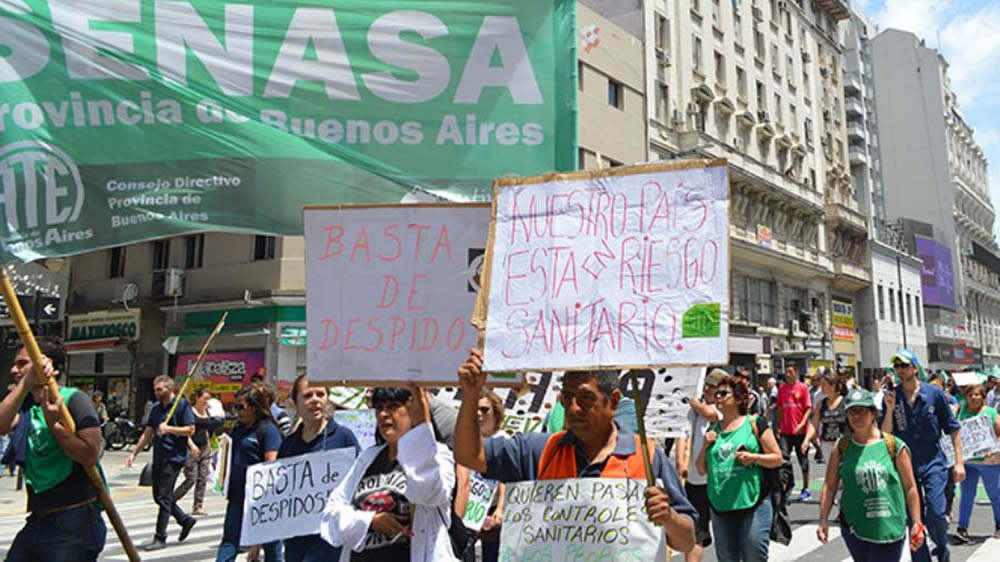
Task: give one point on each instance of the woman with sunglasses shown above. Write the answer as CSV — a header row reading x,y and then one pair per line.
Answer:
x,y
317,431
734,454
255,438
985,467
489,415
878,490
829,417
395,501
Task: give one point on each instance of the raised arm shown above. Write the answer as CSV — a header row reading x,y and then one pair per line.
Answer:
x,y
469,450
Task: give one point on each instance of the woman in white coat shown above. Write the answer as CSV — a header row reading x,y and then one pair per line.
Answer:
x,y
395,501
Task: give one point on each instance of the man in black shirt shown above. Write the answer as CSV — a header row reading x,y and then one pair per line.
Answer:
x,y
65,521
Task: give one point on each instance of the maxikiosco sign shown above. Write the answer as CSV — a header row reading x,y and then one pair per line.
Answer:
x,y
153,118
103,324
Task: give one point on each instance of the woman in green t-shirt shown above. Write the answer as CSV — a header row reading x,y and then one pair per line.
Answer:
x,y
877,477
985,467
732,456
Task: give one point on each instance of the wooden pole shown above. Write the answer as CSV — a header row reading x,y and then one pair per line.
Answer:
x,y
31,347
197,364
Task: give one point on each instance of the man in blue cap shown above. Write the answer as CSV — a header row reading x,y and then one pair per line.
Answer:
x,y
920,413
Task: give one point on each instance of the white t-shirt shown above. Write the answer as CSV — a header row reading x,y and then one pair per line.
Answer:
x,y
698,424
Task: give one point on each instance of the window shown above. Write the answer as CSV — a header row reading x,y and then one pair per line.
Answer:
x,y
795,303
720,69
579,75
615,94
902,317
737,26
741,82
98,363
916,300
696,52
758,302
778,113
194,251
793,118
809,131
662,32
775,59
761,96
790,68
161,254
696,5
263,247
116,262
788,22
881,303
774,10
892,305
663,102
909,309
758,44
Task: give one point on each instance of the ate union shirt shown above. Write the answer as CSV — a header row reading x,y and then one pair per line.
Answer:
x,y
794,401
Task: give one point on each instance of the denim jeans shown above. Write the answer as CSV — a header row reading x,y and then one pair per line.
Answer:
x,y
864,551
991,480
930,485
74,535
744,537
164,478
311,548
232,526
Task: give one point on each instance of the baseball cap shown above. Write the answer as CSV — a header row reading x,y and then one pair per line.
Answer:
x,y
860,397
715,376
905,356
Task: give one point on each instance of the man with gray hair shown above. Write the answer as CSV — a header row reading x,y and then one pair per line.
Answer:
x,y
584,450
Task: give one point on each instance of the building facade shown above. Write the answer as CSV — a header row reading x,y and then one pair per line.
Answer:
x,y
935,182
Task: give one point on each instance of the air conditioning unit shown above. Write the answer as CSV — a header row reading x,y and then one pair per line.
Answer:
x,y
168,283
678,117
663,57
805,56
738,143
758,14
793,326
763,117
692,108
826,114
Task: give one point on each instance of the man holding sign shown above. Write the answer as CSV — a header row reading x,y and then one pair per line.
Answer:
x,y
594,446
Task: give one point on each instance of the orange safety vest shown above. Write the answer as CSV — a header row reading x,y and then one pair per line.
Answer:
x,y
559,461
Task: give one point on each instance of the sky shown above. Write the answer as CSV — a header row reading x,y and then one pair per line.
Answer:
x,y
967,32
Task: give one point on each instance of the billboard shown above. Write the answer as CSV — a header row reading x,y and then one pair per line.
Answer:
x,y
127,121
224,372
937,278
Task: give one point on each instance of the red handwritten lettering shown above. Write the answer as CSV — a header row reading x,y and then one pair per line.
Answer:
x,y
454,343
428,324
373,327
390,233
398,329
695,196
390,281
333,240
348,346
329,342
362,242
442,242
420,228
413,292
513,327
509,275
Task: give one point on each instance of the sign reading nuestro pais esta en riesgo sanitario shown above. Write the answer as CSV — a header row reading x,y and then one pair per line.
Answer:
x,y
149,119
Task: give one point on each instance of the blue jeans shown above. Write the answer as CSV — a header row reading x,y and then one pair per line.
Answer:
x,y
991,480
743,537
864,551
310,548
74,535
930,485
232,525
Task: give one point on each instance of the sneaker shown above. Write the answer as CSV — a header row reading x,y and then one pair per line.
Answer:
x,y
962,536
996,533
805,495
155,544
199,513
186,529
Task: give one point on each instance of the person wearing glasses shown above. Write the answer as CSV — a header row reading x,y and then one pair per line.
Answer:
x,y
919,414
592,446
736,450
255,438
490,415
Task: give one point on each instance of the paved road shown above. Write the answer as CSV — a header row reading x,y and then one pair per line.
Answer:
x,y
139,514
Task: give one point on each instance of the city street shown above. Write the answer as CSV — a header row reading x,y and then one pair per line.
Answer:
x,y
139,513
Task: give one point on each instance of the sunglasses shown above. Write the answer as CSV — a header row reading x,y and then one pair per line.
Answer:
x,y
899,365
484,410
720,394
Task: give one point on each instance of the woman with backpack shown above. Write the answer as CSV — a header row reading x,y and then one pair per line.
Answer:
x,y
255,438
878,490
829,417
985,467
395,502
735,453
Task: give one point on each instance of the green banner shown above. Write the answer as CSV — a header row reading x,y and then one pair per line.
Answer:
x,y
123,121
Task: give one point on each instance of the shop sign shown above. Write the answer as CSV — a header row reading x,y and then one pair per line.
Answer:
x,y
843,320
764,235
226,371
961,354
103,324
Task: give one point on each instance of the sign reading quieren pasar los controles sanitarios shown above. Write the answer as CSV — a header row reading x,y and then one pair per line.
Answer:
x,y
609,268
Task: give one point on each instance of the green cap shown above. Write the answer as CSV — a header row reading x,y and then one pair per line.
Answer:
x,y
860,397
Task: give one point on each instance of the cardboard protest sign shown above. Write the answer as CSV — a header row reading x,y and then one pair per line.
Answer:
x,y
978,439
579,519
361,423
220,474
285,498
966,378
390,290
627,267
481,492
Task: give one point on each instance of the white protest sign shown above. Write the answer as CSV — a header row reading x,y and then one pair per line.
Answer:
x,y
978,439
286,497
481,492
966,378
579,519
361,423
610,268
220,474
390,290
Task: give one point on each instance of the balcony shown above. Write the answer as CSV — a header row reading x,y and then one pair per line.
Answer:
x,y
837,9
843,213
852,84
856,132
854,108
858,155
850,276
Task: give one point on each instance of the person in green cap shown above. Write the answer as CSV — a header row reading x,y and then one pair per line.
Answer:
x,y
879,487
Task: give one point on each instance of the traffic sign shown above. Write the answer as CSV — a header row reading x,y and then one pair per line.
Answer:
x,y
36,308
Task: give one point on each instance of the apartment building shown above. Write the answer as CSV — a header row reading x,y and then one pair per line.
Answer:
x,y
170,293
889,312
935,181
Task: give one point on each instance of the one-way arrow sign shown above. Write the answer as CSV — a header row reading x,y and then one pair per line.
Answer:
x,y
46,308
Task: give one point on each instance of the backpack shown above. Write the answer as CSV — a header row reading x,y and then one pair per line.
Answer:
x,y
890,444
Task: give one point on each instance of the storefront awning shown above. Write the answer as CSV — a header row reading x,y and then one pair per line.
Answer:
x,y
93,346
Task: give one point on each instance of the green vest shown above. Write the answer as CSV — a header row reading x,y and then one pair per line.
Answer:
x,y
732,486
45,464
987,411
873,502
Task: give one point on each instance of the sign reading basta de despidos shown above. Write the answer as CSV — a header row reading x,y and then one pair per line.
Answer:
x,y
151,119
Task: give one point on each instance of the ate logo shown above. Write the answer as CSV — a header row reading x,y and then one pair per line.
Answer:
x,y
872,477
40,186
590,37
